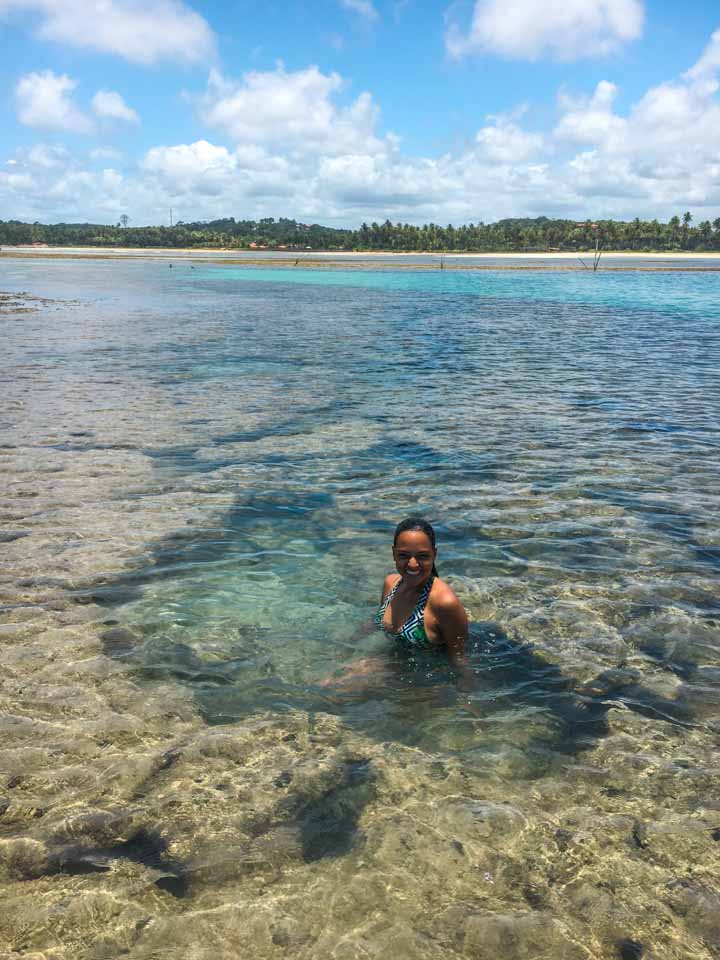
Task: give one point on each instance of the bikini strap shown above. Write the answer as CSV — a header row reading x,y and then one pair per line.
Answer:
x,y
422,602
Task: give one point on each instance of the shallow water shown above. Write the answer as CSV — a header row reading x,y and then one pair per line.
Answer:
x,y
201,471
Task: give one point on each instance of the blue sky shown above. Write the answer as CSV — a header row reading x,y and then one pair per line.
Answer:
x,y
339,111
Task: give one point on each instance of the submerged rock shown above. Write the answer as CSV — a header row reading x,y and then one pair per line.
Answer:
x,y
23,859
519,936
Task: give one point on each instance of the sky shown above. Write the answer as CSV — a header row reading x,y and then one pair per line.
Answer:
x,y
343,111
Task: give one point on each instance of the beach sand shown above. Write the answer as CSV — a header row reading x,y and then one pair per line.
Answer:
x,y
415,260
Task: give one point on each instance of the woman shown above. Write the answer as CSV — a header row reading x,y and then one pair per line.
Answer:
x,y
417,609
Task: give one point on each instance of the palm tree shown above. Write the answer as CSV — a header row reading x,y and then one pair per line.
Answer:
x,y
686,221
705,231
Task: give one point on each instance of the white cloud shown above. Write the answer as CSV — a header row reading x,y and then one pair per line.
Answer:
x,y
676,121
199,167
48,156
591,120
44,101
704,71
368,182
503,141
560,29
143,31
364,8
663,153
202,169
107,104
17,186
293,110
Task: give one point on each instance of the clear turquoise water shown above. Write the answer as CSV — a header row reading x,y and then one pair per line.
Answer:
x,y
641,290
560,430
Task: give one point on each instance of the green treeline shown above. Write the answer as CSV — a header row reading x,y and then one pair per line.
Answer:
x,y
518,235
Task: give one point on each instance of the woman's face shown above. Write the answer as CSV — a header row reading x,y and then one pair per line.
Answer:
x,y
414,556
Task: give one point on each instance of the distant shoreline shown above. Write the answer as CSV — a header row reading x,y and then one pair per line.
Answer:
x,y
620,260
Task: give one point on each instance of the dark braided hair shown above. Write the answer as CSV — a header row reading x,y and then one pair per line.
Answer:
x,y
417,523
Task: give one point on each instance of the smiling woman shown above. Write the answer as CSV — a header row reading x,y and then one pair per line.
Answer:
x,y
418,609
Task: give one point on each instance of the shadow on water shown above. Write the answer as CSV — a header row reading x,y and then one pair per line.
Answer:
x,y
509,674
291,513
144,847
395,701
245,530
322,818
580,708
310,820
328,824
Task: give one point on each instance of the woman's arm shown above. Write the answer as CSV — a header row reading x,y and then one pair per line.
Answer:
x,y
453,623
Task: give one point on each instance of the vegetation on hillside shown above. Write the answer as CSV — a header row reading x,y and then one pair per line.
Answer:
x,y
511,235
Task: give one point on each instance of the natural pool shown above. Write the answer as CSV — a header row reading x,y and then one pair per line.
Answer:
x,y
201,468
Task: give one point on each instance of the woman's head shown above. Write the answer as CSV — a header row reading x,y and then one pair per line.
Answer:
x,y
414,550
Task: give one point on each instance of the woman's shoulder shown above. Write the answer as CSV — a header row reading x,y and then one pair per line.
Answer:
x,y
442,596
389,582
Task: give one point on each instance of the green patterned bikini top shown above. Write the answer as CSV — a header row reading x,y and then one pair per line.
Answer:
x,y
412,631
